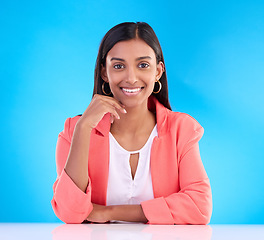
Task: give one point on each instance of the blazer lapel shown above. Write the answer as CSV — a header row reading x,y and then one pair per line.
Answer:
x,y
159,171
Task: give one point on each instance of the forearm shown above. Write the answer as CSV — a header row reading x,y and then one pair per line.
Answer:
x,y
128,213
77,163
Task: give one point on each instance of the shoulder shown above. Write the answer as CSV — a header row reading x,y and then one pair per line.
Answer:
x,y
69,126
182,120
185,127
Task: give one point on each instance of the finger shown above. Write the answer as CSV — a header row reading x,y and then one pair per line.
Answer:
x,y
111,118
114,113
119,107
115,103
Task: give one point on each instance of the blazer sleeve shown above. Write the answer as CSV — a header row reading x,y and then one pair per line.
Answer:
x,y
192,204
70,204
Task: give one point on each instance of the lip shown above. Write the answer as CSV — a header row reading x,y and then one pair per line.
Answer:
x,y
131,91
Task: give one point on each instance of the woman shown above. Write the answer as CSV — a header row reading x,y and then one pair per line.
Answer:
x,y
128,157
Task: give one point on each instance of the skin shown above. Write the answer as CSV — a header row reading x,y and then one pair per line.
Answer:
x,y
129,64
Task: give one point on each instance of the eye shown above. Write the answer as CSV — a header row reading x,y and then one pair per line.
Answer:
x,y
143,65
118,66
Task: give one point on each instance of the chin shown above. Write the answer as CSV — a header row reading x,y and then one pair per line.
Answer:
x,y
131,103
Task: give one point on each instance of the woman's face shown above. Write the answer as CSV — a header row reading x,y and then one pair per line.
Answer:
x,y
131,71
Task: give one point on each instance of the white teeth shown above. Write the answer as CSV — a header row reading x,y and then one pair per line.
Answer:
x,y
131,90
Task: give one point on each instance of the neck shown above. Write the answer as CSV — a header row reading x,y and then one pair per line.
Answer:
x,y
134,121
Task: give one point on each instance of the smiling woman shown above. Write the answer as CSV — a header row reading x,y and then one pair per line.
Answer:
x,y
131,67
128,157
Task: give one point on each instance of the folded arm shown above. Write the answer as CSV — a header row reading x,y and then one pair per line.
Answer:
x,y
193,203
72,189
128,213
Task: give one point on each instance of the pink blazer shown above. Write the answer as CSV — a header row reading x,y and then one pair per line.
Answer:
x,y
182,192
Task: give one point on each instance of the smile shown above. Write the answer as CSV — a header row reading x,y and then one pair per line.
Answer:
x,y
131,91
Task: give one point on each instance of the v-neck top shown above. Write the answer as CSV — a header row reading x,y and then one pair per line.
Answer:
x,y
122,188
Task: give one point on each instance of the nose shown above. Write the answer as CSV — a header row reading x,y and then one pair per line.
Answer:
x,y
131,77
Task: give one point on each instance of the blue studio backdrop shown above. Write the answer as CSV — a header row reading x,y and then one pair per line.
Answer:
x,y
214,56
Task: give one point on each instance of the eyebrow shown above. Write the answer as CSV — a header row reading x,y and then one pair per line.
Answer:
x,y
123,60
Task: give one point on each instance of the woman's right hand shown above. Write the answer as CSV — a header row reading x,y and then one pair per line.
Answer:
x,y
98,107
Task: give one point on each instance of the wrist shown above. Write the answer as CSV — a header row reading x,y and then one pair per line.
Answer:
x,y
128,213
83,126
110,213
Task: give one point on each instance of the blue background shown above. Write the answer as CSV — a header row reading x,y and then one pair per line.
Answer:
x,y
214,55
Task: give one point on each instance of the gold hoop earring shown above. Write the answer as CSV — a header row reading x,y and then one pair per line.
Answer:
x,y
160,86
104,90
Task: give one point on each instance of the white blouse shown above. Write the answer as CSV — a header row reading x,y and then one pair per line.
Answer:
x,y
122,189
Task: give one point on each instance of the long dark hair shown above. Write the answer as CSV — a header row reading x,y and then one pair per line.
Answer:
x,y
123,32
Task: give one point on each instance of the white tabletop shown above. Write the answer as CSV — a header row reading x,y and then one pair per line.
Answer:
x,y
12,231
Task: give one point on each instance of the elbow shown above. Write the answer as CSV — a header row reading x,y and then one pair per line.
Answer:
x,y
202,208
204,219
200,216
68,216
207,216
205,205
205,212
